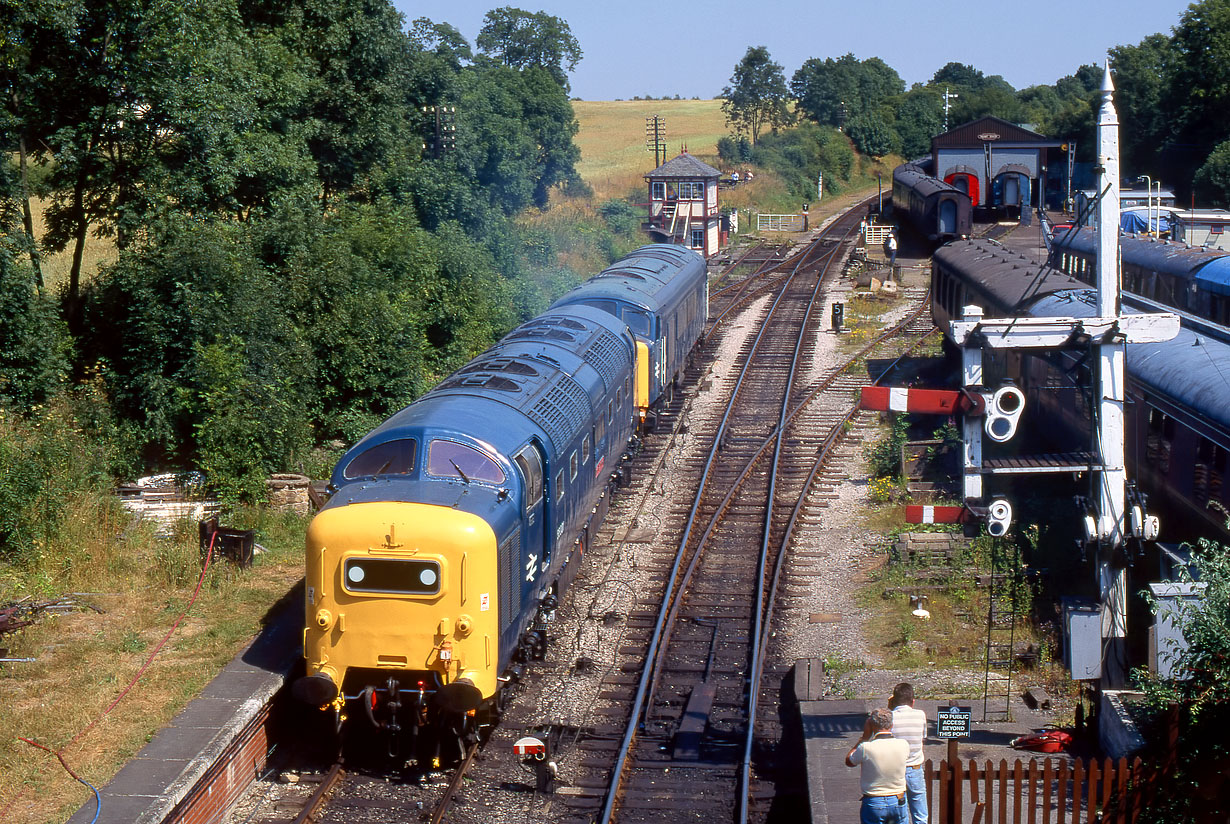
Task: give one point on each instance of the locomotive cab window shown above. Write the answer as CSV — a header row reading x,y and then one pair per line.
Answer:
x,y
637,320
388,458
449,459
530,465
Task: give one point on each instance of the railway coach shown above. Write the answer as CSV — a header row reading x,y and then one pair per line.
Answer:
x,y
936,210
455,525
1177,416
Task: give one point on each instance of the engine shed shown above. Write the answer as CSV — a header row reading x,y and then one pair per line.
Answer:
x,y
1002,166
683,204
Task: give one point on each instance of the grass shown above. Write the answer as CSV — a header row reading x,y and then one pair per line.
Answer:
x,y
141,583
99,252
614,157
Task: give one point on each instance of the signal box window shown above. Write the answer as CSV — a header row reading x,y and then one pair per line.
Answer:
x,y
449,459
659,191
698,238
388,458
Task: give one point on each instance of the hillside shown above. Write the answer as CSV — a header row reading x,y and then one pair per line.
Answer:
x,y
612,138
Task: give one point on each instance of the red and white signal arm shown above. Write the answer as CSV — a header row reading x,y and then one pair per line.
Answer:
x,y
921,401
529,746
916,514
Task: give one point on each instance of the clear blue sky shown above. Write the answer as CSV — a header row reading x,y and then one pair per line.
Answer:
x,y
668,47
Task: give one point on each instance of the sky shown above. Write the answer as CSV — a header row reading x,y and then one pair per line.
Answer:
x,y
634,47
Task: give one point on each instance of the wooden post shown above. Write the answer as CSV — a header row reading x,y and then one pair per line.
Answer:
x,y
954,784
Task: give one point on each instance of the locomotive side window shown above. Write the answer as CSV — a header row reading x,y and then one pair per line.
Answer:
x,y
585,447
599,431
572,466
559,486
530,464
610,411
449,459
619,399
388,458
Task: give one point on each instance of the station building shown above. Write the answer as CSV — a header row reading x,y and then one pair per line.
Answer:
x,y
1002,166
683,204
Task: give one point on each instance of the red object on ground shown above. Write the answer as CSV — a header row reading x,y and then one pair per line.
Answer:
x,y
1045,741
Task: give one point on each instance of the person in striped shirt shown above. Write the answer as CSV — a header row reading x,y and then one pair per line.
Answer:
x,y
910,725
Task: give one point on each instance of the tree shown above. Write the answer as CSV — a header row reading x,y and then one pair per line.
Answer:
x,y
1212,180
757,95
520,39
919,118
1140,73
832,92
1197,98
871,134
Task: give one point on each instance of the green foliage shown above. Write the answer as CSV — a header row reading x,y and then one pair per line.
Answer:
x,y
1203,750
884,456
757,95
521,39
34,347
48,458
834,92
734,148
798,155
1212,180
871,135
919,117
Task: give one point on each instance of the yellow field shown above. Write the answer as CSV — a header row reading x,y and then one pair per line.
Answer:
x,y
614,157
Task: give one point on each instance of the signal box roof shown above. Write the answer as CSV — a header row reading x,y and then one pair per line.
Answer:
x,y
683,166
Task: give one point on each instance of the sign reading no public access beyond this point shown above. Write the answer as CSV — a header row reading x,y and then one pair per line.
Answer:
x,y
953,722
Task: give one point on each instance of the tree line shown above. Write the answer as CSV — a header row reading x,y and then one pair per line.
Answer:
x,y
300,245
1172,95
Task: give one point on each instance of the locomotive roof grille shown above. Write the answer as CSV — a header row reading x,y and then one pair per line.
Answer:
x,y
560,409
603,355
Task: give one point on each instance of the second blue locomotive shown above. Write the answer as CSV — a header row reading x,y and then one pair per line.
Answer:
x,y
458,522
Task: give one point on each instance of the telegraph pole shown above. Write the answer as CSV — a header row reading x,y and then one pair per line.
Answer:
x,y
655,138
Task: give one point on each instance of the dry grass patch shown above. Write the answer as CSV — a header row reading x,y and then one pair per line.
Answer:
x,y
142,583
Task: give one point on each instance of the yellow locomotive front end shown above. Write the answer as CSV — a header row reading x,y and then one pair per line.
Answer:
x,y
401,606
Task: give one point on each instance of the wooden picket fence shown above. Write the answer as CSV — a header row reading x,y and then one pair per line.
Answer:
x,y
1057,791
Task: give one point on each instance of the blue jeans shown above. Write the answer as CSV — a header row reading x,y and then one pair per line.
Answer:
x,y
916,794
882,810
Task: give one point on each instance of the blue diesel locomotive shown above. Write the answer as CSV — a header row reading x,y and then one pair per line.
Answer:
x,y
457,523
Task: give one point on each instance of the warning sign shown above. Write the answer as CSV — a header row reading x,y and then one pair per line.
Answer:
x,y
953,722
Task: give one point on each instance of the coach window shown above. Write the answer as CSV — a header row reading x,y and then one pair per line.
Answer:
x,y
559,486
530,464
449,459
572,466
585,447
388,458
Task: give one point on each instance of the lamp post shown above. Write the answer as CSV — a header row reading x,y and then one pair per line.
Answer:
x,y
1148,181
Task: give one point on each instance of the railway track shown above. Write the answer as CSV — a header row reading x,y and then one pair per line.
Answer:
x,y
686,747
